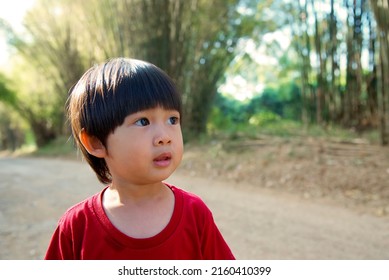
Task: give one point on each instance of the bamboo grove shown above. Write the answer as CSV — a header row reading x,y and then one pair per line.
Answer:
x,y
343,50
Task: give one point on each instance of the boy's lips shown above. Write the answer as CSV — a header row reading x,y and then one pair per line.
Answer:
x,y
163,159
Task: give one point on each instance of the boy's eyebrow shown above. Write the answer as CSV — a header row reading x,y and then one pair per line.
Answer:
x,y
140,114
165,109
172,110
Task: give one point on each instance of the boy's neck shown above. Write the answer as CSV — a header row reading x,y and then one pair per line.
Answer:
x,y
129,193
139,212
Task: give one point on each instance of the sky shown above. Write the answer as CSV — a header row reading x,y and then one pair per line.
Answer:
x,y
12,11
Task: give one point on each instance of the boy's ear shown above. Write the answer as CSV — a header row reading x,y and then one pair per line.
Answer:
x,y
92,144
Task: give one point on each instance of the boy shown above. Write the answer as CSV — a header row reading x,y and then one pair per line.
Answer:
x,y
125,116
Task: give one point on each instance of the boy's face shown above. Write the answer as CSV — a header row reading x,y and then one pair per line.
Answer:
x,y
146,148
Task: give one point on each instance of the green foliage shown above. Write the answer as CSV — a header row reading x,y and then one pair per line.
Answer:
x,y
218,121
268,100
14,131
61,146
231,108
271,105
193,41
7,96
280,128
46,64
264,117
36,101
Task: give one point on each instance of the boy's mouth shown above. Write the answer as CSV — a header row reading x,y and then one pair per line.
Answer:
x,y
163,159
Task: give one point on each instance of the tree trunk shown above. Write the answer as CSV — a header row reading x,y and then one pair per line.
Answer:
x,y
372,79
334,66
384,90
303,48
381,12
320,90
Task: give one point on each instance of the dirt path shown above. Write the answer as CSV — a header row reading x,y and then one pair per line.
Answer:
x,y
257,223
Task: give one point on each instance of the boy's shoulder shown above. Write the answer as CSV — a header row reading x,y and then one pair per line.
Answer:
x,y
80,211
186,195
190,201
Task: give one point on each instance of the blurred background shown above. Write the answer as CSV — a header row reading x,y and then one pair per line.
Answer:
x,y
289,96
244,67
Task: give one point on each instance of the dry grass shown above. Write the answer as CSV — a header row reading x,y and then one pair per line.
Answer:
x,y
352,173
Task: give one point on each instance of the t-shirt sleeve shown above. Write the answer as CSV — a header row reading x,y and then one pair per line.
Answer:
x,y
60,246
214,245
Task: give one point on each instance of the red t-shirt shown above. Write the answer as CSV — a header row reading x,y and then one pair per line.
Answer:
x,y
85,232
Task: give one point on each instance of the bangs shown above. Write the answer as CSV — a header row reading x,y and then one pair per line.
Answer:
x,y
145,89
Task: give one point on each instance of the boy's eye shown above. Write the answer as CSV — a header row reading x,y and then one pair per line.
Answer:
x,y
142,122
174,120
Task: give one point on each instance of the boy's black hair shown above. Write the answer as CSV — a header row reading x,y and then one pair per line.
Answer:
x,y
107,93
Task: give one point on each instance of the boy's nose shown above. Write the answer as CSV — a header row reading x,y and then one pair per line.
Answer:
x,y
162,138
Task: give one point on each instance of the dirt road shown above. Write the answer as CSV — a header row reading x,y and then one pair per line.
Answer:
x,y
257,223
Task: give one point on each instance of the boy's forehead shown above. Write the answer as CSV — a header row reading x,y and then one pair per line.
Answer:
x,y
156,109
